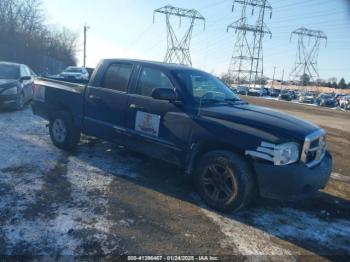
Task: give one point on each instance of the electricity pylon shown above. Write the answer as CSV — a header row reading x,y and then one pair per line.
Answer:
x,y
307,54
179,51
247,60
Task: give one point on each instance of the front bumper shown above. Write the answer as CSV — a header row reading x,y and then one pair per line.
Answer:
x,y
329,103
7,100
292,181
309,101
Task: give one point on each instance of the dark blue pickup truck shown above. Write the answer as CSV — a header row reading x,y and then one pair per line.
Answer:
x,y
233,150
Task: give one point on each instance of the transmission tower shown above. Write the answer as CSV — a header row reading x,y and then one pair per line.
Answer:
x,y
247,60
179,51
307,54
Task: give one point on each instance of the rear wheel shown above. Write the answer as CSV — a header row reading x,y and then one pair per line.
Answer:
x,y
224,180
64,134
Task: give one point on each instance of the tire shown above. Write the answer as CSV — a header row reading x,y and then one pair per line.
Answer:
x,y
239,180
64,134
20,102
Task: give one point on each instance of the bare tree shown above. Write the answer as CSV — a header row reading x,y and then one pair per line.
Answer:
x,y
25,37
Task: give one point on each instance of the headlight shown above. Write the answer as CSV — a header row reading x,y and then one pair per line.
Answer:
x,y
10,91
285,154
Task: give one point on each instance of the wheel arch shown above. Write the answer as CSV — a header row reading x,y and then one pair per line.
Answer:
x,y
199,149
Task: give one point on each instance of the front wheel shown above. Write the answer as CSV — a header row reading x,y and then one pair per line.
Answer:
x,y
64,134
224,180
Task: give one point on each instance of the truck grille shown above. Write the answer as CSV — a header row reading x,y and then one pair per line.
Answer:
x,y
314,148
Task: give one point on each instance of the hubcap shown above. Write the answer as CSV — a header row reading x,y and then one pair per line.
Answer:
x,y
219,182
59,130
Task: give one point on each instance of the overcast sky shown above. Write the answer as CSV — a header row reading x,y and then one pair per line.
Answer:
x,y
125,29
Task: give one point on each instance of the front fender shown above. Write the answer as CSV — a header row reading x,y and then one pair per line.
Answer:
x,y
213,134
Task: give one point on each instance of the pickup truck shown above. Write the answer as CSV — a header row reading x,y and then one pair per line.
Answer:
x,y
234,151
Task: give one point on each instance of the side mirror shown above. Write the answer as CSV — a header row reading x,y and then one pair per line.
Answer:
x,y
164,94
25,78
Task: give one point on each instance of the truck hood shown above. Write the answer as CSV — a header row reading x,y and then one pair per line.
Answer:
x,y
268,120
5,83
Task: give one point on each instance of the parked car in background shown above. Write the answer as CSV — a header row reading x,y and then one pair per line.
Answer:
x,y
328,100
75,73
242,90
307,97
297,94
187,117
286,95
338,97
274,92
344,102
16,85
265,91
256,91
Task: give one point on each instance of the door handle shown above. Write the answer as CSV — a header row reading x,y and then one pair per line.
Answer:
x,y
135,107
95,98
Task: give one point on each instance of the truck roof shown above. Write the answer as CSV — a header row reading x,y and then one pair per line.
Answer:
x,y
152,63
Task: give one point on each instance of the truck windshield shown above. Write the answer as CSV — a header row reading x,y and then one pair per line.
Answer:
x,y
9,71
205,87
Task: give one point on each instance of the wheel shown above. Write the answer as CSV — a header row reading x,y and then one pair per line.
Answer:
x,y
224,180
20,101
64,134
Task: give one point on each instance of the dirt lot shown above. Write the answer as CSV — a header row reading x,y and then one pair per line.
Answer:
x,y
104,200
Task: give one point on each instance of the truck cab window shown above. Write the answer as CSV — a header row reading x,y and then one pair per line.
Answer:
x,y
150,79
117,77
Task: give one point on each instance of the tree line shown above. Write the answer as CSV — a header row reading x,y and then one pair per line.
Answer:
x,y
25,37
332,82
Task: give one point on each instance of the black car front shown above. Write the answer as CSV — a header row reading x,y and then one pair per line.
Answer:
x,y
292,170
288,155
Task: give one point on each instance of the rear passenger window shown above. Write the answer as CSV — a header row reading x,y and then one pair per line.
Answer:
x,y
150,79
117,77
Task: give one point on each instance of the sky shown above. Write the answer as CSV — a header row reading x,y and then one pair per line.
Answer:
x,y
125,29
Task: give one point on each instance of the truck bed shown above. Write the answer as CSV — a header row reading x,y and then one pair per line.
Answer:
x,y
51,95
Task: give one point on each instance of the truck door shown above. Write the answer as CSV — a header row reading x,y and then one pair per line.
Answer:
x,y
160,128
106,104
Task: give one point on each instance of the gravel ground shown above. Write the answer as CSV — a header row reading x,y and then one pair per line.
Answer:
x,y
104,200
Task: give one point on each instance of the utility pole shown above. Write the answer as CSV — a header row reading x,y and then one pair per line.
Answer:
x,y
273,78
247,60
178,50
282,77
86,28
